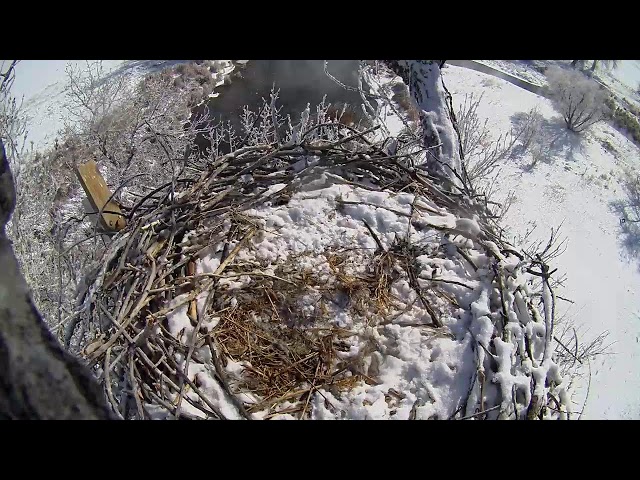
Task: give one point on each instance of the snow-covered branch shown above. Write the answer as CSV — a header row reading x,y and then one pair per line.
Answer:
x,y
439,136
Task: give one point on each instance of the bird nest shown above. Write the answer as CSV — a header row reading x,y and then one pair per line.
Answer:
x,y
245,337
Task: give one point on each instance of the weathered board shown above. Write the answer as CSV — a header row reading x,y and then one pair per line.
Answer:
x,y
98,194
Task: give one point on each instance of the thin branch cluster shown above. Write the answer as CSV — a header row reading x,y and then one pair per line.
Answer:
x,y
483,154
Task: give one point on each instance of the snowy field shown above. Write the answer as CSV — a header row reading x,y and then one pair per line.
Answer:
x,y
575,187
624,80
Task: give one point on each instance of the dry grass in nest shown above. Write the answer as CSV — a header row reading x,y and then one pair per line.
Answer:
x,y
283,363
372,290
289,353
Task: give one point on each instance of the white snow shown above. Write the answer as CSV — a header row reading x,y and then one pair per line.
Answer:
x,y
602,276
624,80
431,370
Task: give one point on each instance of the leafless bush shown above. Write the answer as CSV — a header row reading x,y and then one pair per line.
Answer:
x,y
630,208
482,153
539,151
474,134
632,188
136,128
531,126
12,129
93,97
580,100
489,190
267,125
576,349
573,348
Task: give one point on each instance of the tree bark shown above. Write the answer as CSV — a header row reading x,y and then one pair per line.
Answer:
x,y
38,378
594,65
439,136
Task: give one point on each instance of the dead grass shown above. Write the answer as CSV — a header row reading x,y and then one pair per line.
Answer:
x,y
290,352
282,327
281,363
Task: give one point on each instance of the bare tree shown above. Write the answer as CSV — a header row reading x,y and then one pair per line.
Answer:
x,y
482,154
13,122
580,100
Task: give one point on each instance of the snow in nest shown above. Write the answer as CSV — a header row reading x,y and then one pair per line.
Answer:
x,y
576,186
420,372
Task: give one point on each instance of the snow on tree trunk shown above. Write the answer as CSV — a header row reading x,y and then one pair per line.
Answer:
x,y
38,379
425,85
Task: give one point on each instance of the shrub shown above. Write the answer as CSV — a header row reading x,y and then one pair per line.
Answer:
x,y
482,153
580,100
115,122
529,129
627,122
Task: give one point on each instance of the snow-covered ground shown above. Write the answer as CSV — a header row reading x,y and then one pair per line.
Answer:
x,y
518,69
624,80
575,187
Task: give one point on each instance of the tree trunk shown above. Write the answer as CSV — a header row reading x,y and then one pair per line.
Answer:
x,y
595,64
439,136
38,379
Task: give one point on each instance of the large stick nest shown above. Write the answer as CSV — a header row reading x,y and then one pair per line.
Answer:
x,y
265,353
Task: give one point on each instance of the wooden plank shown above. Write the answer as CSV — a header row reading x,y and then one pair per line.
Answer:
x,y
98,193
